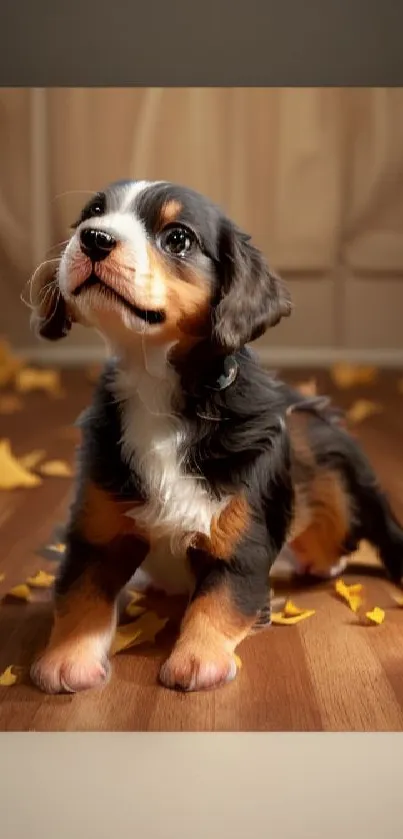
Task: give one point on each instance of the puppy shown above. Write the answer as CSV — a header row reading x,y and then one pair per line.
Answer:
x,y
195,463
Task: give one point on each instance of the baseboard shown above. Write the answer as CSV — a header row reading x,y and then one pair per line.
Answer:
x,y
275,357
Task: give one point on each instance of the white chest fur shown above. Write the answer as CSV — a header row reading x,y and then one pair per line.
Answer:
x,y
154,444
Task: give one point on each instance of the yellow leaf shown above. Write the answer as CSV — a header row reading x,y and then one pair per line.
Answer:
x,y
41,580
29,378
377,615
282,620
238,661
9,364
134,610
12,474
351,594
348,375
135,595
56,469
8,678
144,630
308,388
20,592
10,404
30,460
361,409
290,610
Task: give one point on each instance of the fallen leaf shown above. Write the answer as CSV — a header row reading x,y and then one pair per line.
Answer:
x,y
143,630
56,469
282,620
41,580
8,678
348,375
12,474
376,615
308,388
10,404
290,610
55,552
350,594
30,378
134,610
238,661
30,460
361,409
9,364
20,592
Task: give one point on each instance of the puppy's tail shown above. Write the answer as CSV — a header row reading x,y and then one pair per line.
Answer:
x,y
378,524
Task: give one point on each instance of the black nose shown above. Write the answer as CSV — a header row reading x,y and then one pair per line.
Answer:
x,y
96,244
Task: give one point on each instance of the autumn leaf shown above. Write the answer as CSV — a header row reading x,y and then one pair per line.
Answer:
x,y
238,661
30,378
12,474
348,375
20,592
30,460
376,615
290,610
9,364
41,580
350,594
134,610
10,404
8,678
361,409
308,388
144,630
281,619
56,469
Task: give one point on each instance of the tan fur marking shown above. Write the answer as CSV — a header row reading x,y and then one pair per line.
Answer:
x,y
202,657
187,303
102,518
170,212
322,522
227,529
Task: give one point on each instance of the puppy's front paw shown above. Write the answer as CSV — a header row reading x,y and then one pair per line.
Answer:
x,y
190,669
60,671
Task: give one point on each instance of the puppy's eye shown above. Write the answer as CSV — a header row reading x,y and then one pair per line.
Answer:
x,y
95,208
177,241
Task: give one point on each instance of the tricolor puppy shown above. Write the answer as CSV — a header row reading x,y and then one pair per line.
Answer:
x,y
195,463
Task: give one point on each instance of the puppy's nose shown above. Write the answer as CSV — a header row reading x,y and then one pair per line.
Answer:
x,y
96,244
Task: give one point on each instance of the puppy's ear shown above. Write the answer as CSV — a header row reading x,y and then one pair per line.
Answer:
x,y
250,298
50,318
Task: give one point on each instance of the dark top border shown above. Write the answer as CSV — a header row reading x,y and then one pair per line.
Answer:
x,y
214,43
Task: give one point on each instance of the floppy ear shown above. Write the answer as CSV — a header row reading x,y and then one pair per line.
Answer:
x,y
50,318
250,298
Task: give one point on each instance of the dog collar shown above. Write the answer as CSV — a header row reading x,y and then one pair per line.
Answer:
x,y
227,376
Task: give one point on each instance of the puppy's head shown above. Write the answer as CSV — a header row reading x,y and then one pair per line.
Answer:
x,y
158,262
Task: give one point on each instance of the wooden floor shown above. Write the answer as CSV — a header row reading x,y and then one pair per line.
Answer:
x,y
326,674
